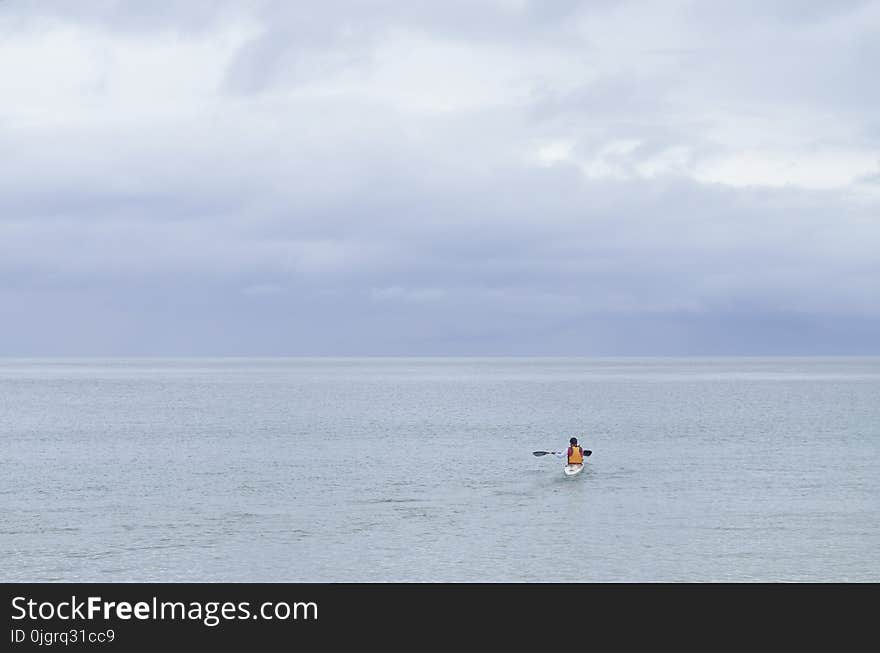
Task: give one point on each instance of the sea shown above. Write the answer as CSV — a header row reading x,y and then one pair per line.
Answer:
x,y
422,470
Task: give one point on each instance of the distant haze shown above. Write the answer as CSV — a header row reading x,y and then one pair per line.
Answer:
x,y
512,177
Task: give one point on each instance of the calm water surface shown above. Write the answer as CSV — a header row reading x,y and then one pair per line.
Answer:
x,y
421,470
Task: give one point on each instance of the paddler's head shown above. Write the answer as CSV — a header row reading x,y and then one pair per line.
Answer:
x,y
573,441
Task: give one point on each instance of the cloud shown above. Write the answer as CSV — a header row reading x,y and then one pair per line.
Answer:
x,y
499,177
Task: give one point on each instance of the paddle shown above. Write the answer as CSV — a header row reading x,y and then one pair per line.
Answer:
x,y
587,452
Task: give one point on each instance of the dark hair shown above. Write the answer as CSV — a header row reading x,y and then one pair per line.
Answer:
x,y
573,441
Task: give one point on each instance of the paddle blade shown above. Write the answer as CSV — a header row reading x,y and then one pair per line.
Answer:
x,y
541,453
587,452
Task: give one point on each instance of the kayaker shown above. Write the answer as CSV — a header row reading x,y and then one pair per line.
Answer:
x,y
575,453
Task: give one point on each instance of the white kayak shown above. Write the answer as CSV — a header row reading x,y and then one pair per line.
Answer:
x,y
573,470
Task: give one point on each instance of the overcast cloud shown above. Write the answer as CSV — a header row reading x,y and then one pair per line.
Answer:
x,y
506,177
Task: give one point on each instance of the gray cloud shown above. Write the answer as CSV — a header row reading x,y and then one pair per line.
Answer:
x,y
426,179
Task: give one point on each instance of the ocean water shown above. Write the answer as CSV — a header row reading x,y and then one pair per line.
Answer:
x,y
337,470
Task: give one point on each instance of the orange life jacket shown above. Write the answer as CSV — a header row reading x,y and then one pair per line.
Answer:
x,y
575,455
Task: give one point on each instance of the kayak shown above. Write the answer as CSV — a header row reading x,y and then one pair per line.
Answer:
x,y
573,470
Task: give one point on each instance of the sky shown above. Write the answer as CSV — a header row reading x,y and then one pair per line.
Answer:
x,y
497,178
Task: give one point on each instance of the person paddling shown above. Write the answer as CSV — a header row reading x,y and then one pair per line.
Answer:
x,y
574,456
575,453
